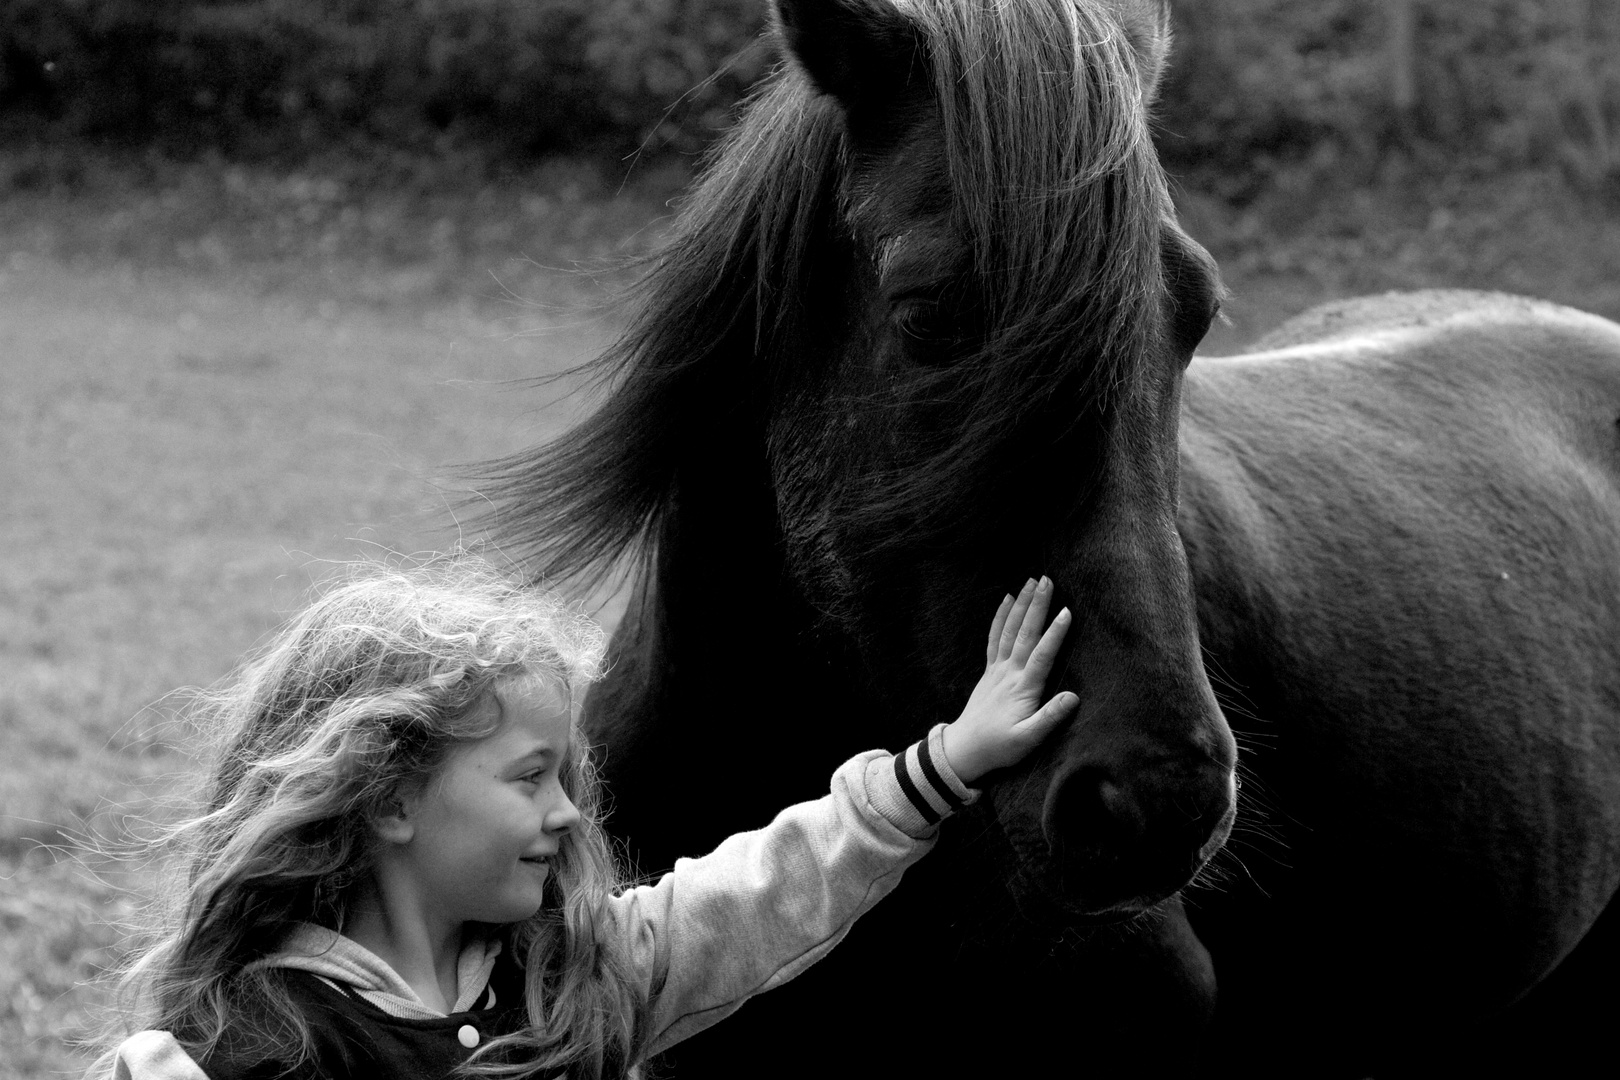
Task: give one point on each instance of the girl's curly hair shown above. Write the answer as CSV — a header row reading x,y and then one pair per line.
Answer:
x,y
363,692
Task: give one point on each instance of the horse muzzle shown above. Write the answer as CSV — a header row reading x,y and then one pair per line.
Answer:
x,y
1117,844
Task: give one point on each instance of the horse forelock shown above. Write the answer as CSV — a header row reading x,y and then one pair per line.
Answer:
x,y
1056,191
1054,181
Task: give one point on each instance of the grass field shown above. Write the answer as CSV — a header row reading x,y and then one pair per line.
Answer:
x,y
180,455
195,418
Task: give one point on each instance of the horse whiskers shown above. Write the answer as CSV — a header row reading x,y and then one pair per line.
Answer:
x,y
1251,741
1213,876
1228,691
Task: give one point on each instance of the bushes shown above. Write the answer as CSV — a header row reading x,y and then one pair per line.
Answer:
x,y
674,70
1531,82
1262,85
1255,85
251,76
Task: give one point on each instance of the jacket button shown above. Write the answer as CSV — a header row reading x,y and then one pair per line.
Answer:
x,y
467,1036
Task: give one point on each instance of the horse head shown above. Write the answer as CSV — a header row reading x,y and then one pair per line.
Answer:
x,y
979,377
919,331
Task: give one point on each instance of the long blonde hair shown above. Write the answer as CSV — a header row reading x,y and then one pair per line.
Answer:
x,y
363,692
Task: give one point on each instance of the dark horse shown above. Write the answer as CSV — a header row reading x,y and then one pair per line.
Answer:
x,y
924,328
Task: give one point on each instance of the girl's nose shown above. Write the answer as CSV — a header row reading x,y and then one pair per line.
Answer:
x,y
563,815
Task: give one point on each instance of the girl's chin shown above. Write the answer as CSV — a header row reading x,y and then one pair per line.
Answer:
x,y
519,910
530,888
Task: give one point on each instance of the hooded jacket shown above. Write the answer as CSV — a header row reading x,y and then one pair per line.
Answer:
x,y
710,934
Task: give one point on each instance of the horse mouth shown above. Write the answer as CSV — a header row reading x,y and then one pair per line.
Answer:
x,y
1095,884
1042,897
1106,849
1105,905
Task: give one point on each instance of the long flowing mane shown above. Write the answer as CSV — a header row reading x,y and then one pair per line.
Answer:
x,y
576,507
1054,187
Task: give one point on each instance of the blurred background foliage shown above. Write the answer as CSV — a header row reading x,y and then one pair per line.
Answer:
x,y
1262,86
503,79
1257,87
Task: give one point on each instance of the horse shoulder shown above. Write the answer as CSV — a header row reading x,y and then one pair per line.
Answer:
x,y
1401,519
1411,417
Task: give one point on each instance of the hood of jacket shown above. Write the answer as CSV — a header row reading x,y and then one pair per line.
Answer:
x,y
345,964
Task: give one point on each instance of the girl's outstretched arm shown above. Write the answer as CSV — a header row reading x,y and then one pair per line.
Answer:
x,y
767,904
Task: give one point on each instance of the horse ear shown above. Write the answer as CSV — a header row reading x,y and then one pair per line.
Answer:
x,y
859,51
1147,27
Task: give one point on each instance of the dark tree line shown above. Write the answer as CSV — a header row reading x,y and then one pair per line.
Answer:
x,y
1256,84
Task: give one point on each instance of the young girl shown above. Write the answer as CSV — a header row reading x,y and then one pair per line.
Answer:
x,y
400,868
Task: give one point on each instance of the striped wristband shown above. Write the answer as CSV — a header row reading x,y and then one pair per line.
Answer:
x,y
921,772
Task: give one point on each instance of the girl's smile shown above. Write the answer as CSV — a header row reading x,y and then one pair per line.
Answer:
x,y
481,832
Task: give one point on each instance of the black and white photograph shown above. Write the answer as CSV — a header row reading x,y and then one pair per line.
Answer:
x,y
721,539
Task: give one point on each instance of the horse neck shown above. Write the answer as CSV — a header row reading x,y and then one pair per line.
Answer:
x,y
721,700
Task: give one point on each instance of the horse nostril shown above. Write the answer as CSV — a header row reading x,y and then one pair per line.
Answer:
x,y
1093,811
1128,837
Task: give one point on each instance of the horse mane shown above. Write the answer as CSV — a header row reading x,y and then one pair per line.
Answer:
x,y
1057,191
580,506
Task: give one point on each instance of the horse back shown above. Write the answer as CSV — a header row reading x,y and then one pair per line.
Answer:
x,y
1402,518
1358,316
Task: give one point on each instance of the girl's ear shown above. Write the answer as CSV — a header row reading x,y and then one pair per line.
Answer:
x,y
394,823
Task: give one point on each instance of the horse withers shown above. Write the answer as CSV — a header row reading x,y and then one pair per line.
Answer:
x,y
924,328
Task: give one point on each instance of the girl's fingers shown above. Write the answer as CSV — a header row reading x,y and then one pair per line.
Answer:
x,y
1053,713
1015,620
996,627
1044,654
1029,631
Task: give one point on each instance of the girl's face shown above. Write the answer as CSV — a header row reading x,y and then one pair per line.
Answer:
x,y
486,825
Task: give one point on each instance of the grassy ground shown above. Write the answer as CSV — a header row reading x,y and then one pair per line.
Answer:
x,y
212,380
181,449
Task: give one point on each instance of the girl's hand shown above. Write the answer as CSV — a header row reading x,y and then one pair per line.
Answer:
x,y
1004,719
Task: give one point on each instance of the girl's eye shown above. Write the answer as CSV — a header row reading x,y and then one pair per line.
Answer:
x,y
533,776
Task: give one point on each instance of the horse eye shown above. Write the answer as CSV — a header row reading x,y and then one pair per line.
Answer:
x,y
928,331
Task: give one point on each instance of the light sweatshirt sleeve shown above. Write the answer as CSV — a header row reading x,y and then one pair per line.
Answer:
x,y
154,1055
765,905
